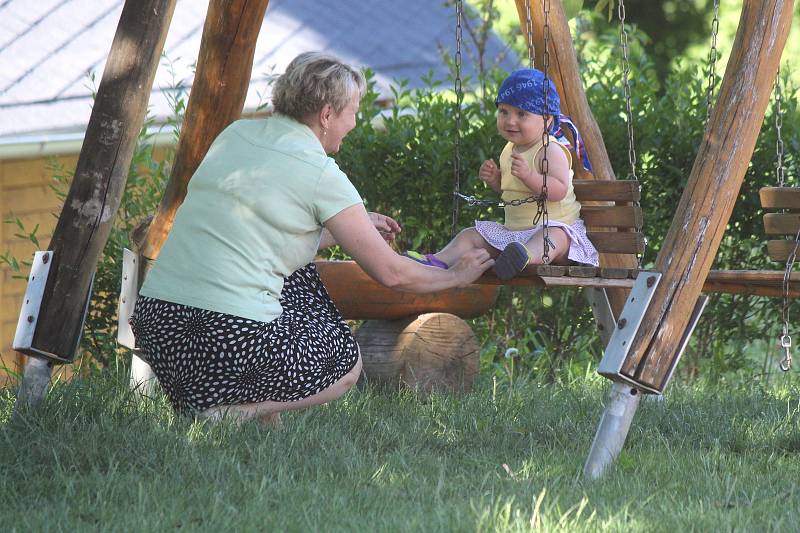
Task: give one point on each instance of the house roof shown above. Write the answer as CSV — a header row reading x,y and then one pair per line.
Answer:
x,y
53,52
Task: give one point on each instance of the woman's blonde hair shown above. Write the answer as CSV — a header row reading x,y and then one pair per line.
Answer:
x,y
312,80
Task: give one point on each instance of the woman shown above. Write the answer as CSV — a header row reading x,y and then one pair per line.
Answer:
x,y
233,318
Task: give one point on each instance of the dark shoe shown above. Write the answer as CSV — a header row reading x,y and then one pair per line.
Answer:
x,y
511,261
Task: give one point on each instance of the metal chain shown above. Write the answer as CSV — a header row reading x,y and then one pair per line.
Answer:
x,y
786,339
545,168
457,116
475,201
779,148
529,30
626,70
712,61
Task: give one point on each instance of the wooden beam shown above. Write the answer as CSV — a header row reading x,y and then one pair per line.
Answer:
x,y
607,191
563,70
217,98
96,191
751,282
357,296
708,198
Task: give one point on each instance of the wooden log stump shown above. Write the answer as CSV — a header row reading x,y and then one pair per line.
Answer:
x,y
432,352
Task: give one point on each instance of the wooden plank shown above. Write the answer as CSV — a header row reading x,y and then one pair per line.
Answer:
x,y
358,296
781,223
581,271
617,242
704,210
218,92
548,270
618,273
88,214
779,250
618,216
751,282
569,281
780,197
607,191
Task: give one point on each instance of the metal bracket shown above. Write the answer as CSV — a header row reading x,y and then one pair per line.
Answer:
x,y
699,307
32,301
628,324
603,315
127,298
31,305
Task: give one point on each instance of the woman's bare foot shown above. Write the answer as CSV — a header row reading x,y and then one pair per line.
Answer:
x,y
272,420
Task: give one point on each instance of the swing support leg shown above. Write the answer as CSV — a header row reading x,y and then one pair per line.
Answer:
x,y
613,430
35,380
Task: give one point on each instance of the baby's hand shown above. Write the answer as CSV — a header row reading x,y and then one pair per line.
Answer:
x,y
489,173
520,167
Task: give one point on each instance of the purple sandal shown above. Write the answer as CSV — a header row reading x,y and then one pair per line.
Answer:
x,y
426,259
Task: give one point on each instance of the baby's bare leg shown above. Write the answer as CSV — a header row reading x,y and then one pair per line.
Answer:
x,y
558,252
467,239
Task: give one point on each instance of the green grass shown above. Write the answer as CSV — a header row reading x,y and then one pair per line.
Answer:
x,y
706,459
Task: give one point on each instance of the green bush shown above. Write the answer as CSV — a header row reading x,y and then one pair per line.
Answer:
x,y
401,160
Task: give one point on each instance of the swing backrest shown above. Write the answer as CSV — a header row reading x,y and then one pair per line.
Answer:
x,y
783,222
611,212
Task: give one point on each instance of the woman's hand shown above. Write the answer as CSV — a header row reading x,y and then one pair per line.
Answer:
x,y
386,226
471,265
489,173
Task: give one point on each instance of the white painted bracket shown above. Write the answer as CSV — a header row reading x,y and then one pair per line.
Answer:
x,y
31,306
127,298
32,301
628,324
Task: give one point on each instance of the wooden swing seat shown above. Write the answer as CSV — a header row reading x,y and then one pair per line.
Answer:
x,y
784,223
612,219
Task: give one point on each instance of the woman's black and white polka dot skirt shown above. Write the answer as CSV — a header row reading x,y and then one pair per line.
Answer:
x,y
203,358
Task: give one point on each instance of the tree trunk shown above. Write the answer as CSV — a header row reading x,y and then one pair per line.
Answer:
x,y
102,170
435,351
713,186
217,98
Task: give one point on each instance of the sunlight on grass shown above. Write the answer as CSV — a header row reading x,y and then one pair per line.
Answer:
x,y
505,460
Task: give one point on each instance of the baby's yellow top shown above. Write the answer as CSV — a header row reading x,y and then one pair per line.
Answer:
x,y
521,217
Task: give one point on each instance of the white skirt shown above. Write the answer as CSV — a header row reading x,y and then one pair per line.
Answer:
x,y
581,249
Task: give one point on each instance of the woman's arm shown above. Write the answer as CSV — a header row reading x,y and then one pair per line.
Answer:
x,y
386,226
354,231
557,172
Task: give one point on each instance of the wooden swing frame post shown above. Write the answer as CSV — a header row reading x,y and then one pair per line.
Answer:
x,y
97,188
698,226
707,201
219,90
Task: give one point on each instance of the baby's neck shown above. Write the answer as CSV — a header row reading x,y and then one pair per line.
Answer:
x,y
520,148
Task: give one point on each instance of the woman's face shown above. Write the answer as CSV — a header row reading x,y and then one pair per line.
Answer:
x,y
339,125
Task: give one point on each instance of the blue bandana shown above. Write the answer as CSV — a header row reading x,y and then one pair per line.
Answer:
x,y
525,88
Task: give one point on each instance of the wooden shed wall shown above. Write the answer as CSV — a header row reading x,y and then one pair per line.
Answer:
x,y
25,193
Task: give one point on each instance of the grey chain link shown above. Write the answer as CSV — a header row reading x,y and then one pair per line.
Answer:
x,y
626,70
712,62
786,339
457,116
547,243
529,30
779,148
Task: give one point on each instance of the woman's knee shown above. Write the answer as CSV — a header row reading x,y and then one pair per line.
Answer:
x,y
351,378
